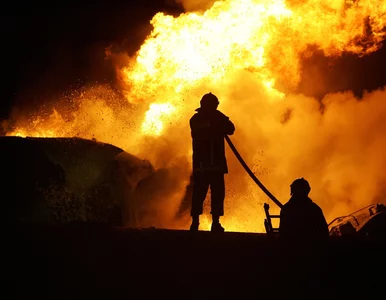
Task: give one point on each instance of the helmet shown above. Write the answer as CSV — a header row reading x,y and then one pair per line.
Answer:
x,y
300,187
209,100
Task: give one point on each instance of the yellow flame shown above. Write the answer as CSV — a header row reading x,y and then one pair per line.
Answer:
x,y
154,118
265,37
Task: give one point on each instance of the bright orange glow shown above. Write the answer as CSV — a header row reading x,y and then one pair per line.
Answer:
x,y
155,117
239,49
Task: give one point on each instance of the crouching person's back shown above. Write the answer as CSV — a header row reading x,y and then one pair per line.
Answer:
x,y
300,217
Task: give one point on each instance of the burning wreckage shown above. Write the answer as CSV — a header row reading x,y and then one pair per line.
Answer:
x,y
369,221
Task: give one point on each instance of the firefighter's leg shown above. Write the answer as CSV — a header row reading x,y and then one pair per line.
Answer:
x,y
217,187
200,189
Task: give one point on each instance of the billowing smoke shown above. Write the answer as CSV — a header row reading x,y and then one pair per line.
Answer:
x,y
337,144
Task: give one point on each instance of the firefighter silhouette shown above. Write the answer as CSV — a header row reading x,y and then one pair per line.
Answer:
x,y
208,129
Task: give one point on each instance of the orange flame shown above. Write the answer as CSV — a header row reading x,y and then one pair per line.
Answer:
x,y
239,49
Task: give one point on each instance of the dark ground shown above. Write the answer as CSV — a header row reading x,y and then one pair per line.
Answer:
x,y
93,261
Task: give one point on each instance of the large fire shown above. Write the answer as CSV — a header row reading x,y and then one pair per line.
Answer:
x,y
240,50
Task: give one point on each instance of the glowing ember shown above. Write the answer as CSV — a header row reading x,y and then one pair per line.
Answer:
x,y
239,49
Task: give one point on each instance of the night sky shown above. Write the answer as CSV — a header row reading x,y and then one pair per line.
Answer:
x,y
48,48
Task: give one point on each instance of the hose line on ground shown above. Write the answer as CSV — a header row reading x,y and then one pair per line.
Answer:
x,y
250,173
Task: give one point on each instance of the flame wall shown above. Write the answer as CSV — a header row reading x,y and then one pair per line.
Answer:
x,y
242,50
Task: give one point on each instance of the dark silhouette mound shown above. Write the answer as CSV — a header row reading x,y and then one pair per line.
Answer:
x,y
26,172
62,180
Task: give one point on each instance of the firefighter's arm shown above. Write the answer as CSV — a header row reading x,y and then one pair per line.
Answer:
x,y
229,127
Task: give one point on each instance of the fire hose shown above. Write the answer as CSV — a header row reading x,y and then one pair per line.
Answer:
x,y
250,173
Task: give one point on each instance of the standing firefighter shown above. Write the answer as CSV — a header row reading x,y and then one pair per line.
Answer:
x,y
208,128
300,217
